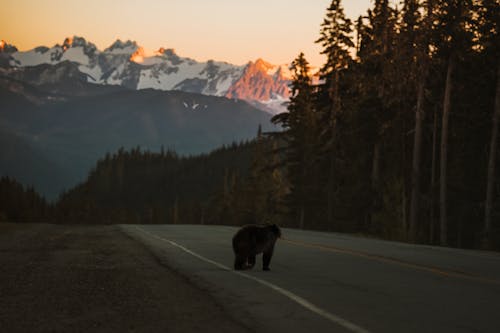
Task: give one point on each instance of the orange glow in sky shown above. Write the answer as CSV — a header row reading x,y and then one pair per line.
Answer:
x,y
235,31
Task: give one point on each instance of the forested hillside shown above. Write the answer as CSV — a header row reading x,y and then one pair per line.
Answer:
x,y
400,139
51,140
143,187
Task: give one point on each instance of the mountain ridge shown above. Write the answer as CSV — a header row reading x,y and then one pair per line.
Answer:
x,y
125,63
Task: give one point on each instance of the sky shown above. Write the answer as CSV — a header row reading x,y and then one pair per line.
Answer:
x,y
235,31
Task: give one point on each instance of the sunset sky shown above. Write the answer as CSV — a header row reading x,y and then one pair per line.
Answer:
x,y
229,30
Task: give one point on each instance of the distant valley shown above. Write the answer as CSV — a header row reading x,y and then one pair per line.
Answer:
x,y
53,132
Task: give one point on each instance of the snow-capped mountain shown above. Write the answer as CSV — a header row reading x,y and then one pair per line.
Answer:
x,y
126,64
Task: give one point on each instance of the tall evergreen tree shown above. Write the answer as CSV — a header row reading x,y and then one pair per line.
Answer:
x,y
377,73
300,133
492,162
419,40
489,43
455,21
337,42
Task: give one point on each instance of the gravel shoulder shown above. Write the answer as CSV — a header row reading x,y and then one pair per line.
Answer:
x,y
58,278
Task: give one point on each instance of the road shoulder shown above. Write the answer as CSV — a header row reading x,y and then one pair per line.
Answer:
x,y
95,278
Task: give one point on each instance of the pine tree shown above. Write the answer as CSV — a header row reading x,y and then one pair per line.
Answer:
x,y
380,99
336,41
420,40
299,134
489,38
265,188
492,162
455,40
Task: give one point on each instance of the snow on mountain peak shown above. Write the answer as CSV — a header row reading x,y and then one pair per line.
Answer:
x,y
260,82
77,49
263,65
138,55
166,52
76,41
119,47
127,64
277,71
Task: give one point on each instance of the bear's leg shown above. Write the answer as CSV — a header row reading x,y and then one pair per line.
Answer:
x,y
240,262
251,261
266,259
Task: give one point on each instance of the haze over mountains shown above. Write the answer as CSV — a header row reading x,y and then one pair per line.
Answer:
x,y
62,108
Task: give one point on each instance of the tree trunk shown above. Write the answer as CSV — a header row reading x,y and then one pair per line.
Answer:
x,y
417,148
375,180
488,207
202,216
301,217
376,166
335,110
444,152
404,199
330,194
432,227
175,211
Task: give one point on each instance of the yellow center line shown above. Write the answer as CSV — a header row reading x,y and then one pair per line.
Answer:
x,y
430,269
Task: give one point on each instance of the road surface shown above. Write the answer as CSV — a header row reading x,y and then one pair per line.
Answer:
x,y
327,282
76,278
179,278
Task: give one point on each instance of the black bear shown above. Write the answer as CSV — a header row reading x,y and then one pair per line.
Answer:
x,y
251,240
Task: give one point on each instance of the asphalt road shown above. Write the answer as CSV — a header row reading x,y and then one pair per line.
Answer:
x,y
74,278
326,282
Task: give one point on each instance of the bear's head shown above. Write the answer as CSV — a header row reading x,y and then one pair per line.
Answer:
x,y
276,230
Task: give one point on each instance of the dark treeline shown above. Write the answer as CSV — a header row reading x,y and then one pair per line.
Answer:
x,y
22,204
143,187
399,139
232,185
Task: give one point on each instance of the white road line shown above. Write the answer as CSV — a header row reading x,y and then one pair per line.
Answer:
x,y
297,299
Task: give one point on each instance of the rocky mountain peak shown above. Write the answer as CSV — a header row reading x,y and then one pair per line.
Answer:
x,y
138,55
262,65
260,81
167,52
76,41
6,47
122,47
125,63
